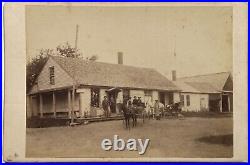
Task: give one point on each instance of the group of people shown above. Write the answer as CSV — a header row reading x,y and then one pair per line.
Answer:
x,y
136,102
108,105
155,110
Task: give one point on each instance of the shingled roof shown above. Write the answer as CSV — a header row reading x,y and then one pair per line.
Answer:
x,y
115,75
210,83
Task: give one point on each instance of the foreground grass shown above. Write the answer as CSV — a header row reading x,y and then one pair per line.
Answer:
x,y
188,138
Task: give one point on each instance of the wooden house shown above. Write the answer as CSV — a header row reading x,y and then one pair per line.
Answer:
x,y
68,85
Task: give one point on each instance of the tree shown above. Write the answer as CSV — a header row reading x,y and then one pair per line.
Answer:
x,y
34,67
66,50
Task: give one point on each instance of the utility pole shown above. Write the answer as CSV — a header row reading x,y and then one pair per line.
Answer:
x,y
77,27
74,85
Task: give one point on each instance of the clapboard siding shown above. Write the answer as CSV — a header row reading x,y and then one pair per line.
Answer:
x,y
198,102
62,79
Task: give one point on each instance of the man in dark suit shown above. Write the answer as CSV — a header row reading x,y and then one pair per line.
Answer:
x,y
105,106
135,101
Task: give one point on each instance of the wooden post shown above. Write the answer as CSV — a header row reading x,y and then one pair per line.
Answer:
x,y
69,103
221,102
54,104
208,104
229,104
73,104
41,105
29,99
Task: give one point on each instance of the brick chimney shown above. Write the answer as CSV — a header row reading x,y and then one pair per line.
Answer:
x,y
120,58
173,75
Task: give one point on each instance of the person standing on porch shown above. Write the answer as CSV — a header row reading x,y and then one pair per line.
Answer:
x,y
105,106
119,103
112,104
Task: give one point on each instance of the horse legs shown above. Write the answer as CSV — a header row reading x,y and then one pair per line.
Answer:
x,y
126,123
133,118
129,123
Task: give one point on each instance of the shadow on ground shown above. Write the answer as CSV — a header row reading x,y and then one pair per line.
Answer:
x,y
226,140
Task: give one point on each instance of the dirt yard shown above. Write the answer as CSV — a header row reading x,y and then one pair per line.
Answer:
x,y
192,137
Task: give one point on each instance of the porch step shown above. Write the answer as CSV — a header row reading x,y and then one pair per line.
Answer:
x,y
37,122
98,119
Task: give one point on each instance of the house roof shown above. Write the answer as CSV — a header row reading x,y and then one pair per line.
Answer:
x,y
115,75
185,87
203,87
208,82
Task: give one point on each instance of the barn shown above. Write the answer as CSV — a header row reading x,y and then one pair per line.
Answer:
x,y
68,85
211,92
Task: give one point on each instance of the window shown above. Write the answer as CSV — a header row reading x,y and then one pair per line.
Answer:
x,y
182,100
148,93
52,75
148,96
95,97
188,100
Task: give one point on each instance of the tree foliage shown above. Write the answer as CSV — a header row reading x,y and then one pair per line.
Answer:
x,y
66,50
34,67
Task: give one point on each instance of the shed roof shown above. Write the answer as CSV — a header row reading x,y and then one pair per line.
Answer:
x,y
209,82
115,75
203,87
185,87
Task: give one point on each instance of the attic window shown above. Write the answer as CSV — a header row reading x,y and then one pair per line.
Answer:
x,y
52,75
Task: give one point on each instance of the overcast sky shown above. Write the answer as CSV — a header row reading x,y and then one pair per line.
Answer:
x,y
147,36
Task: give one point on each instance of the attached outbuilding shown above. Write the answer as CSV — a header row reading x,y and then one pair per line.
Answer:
x,y
211,92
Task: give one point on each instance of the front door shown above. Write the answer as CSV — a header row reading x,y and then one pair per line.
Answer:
x,y
112,100
112,96
162,97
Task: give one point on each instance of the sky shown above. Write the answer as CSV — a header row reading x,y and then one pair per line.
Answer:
x,y
148,36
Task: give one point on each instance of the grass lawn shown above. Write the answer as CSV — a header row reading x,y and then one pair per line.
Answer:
x,y
192,137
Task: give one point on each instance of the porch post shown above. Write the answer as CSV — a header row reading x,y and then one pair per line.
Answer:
x,y
54,104
30,106
73,104
221,102
69,103
41,105
228,101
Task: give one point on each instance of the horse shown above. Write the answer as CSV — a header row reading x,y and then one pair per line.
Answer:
x,y
127,114
134,115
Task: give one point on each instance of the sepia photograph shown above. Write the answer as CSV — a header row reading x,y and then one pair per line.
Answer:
x,y
129,81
